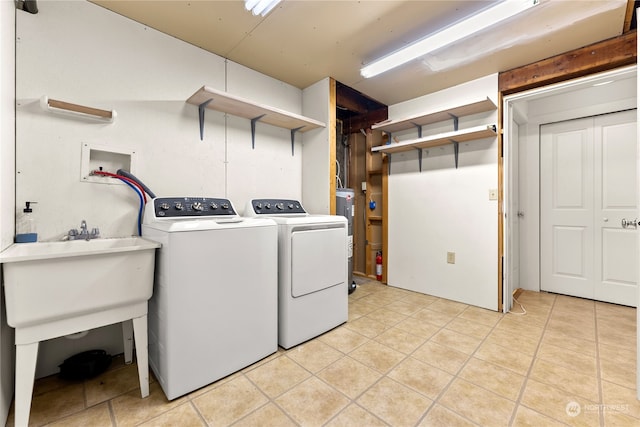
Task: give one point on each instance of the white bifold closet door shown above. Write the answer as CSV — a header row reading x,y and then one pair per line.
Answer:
x,y
588,186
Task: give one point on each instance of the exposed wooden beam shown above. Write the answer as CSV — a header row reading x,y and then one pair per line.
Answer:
x,y
364,121
605,55
356,110
355,101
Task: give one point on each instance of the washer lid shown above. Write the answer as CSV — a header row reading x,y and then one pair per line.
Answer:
x,y
203,224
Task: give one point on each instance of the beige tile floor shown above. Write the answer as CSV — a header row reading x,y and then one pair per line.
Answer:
x,y
402,359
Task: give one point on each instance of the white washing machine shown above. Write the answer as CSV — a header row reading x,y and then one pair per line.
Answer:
x,y
312,269
214,305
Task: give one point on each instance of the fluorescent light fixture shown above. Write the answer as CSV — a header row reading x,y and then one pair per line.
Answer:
x,y
473,24
260,7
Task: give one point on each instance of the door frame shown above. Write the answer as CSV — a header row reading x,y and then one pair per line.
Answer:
x,y
526,142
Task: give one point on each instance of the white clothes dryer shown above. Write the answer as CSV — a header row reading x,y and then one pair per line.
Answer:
x,y
312,269
214,305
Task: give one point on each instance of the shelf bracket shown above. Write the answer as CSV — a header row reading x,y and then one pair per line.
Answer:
x,y
455,122
389,164
253,130
419,129
201,109
419,158
293,137
455,151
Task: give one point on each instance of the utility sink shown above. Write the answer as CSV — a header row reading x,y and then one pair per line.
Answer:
x,y
49,281
53,289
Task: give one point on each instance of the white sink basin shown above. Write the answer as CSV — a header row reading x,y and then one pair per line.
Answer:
x,y
49,281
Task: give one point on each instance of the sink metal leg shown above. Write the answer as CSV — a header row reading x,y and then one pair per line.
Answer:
x,y
26,357
142,353
127,337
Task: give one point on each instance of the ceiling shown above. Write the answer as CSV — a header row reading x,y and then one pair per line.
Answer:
x,y
303,41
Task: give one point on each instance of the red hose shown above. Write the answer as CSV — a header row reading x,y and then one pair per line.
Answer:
x,y
113,175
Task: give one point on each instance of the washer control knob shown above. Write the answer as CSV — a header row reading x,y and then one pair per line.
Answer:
x,y
290,205
179,206
197,206
225,206
267,205
214,206
280,206
164,206
258,205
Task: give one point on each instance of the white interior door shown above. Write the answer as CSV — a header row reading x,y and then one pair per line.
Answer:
x,y
615,173
566,208
587,186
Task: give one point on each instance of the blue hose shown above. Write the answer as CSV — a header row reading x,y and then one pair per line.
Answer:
x,y
141,204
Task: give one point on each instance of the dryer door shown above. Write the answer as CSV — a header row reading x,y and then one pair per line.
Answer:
x,y
318,260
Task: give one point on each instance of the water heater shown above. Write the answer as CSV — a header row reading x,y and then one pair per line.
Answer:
x,y
345,207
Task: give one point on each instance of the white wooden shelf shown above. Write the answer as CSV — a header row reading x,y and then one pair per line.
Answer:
x,y
465,135
454,137
209,98
474,107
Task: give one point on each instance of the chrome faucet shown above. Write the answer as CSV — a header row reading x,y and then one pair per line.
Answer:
x,y
83,227
84,233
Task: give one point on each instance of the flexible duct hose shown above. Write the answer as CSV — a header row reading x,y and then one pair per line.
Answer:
x,y
130,176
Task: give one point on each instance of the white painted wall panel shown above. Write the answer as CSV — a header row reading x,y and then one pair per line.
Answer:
x,y
316,150
81,53
443,209
7,187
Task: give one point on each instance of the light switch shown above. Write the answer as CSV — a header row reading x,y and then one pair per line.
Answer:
x,y
451,257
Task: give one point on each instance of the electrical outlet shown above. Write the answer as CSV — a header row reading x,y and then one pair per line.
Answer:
x,y
493,194
451,257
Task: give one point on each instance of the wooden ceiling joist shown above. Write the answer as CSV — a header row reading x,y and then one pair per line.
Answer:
x,y
606,55
356,110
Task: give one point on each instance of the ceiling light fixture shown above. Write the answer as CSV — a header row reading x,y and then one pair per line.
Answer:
x,y
260,7
473,24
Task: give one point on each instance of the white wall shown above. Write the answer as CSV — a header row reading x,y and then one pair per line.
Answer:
x,y
443,209
317,150
81,53
7,185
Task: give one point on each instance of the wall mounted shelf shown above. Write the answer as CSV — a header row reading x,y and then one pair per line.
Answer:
x,y
213,99
69,109
465,135
474,107
454,137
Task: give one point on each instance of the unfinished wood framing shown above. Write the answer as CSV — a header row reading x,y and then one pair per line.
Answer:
x,y
332,147
629,16
357,175
375,193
